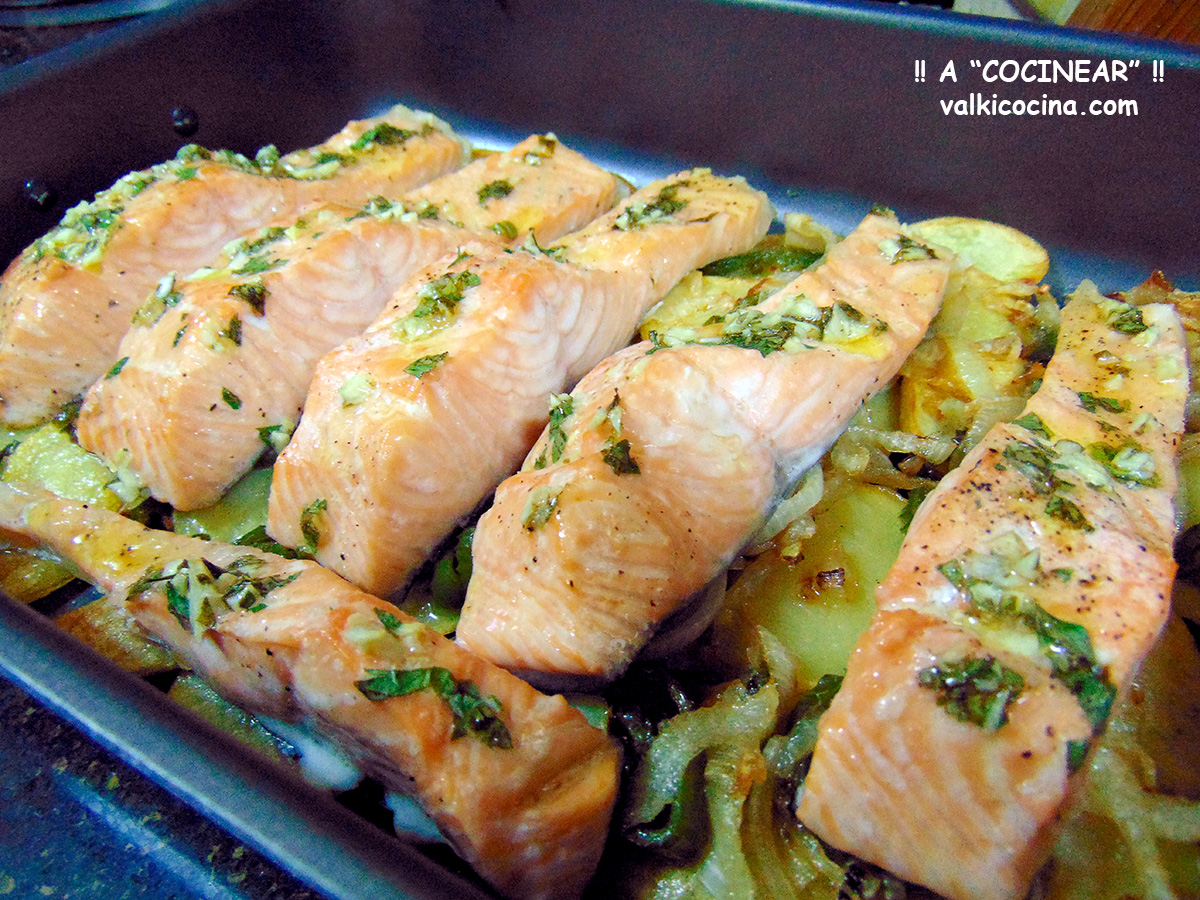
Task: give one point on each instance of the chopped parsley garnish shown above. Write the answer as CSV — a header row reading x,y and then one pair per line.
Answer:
x,y
382,135
547,144
916,496
1077,752
757,263
182,330
256,265
232,400
233,331
473,714
639,214
561,406
1033,422
276,436
542,502
1129,464
309,525
117,367
254,293
426,364
186,173
494,190
267,237
440,297
199,591
616,451
908,250
1092,403
976,690
1126,319
1058,507
1067,646
618,457
1035,463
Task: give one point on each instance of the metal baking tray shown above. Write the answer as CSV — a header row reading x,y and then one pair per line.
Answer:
x,y
828,106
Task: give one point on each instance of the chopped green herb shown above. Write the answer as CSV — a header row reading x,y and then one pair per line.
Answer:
x,y
494,190
309,528
757,263
1129,464
561,407
186,173
256,265
232,400
1059,507
426,364
1092,403
382,135
117,367
916,497
1126,319
616,454
639,214
909,250
547,144
233,331
542,502
976,690
1065,645
473,714
441,296
276,436
1033,422
267,237
254,293
1035,463
1063,574
1077,752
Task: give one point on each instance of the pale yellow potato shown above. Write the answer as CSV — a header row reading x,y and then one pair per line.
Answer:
x,y
1002,252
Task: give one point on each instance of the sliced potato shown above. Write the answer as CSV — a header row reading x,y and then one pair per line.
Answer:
x,y
997,250
818,605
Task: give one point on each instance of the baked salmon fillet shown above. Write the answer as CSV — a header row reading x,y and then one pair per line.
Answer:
x,y
408,428
668,457
1030,586
68,299
220,361
518,781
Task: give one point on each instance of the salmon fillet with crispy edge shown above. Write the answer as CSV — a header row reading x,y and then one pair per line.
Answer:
x,y
226,356
1031,585
519,783
68,299
408,428
669,456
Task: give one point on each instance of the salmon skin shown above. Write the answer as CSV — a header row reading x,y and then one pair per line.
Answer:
x,y
68,299
518,781
221,367
1031,585
408,428
669,456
